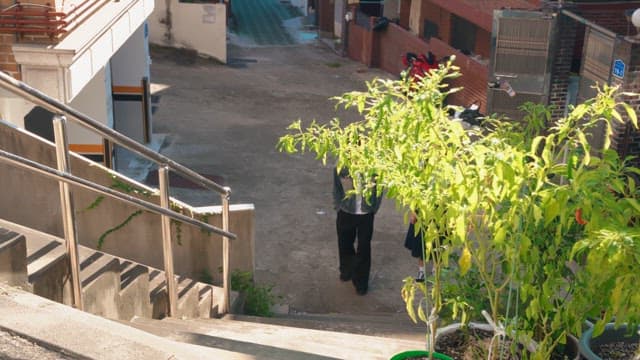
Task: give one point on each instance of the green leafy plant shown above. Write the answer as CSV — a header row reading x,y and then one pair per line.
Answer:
x,y
258,299
519,195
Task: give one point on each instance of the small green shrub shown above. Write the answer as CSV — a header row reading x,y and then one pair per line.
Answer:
x,y
258,299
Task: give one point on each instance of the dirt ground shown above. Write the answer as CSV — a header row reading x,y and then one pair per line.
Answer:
x,y
225,121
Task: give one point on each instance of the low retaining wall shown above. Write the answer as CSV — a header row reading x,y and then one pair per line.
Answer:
x,y
34,201
384,49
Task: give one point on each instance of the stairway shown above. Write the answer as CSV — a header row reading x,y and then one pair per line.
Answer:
x,y
112,287
269,341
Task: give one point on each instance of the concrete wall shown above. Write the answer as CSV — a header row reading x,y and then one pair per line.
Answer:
x,y
391,9
131,62
201,27
338,19
415,16
33,201
91,101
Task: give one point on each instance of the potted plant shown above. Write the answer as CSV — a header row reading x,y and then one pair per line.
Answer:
x,y
508,200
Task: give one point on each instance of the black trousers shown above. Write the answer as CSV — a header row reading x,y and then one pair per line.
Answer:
x,y
355,261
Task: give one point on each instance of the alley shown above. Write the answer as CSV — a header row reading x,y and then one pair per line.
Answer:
x,y
224,121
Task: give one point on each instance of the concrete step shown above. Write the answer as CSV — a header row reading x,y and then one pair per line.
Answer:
x,y
80,335
100,278
113,287
48,268
13,259
267,341
192,299
389,325
134,291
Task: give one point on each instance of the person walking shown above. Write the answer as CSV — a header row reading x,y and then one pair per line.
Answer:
x,y
354,219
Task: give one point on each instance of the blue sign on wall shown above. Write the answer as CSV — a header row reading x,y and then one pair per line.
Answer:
x,y
618,68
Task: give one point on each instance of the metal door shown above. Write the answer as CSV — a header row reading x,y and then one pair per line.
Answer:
x,y
595,70
520,68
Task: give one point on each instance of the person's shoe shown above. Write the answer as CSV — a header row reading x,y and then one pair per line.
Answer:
x,y
420,276
345,277
361,291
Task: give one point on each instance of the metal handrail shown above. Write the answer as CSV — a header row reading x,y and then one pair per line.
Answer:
x,y
36,167
165,165
39,98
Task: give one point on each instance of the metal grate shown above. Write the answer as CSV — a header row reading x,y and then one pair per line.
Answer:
x,y
598,56
522,45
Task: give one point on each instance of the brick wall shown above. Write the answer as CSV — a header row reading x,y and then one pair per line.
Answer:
x,y
609,15
483,43
396,41
440,17
625,139
561,67
7,60
359,44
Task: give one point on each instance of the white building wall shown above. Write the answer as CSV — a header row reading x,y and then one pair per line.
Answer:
x,y
202,27
414,16
131,62
91,101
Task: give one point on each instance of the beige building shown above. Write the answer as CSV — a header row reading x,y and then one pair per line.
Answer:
x,y
90,54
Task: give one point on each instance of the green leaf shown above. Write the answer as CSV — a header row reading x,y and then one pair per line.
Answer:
x,y
634,203
465,261
499,237
461,229
631,113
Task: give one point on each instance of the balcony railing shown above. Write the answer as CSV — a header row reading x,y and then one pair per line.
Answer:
x,y
37,19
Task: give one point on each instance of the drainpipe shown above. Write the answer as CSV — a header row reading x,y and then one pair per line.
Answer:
x,y
347,18
167,21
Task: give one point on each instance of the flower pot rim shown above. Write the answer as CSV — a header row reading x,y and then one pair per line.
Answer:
x,y
584,345
412,353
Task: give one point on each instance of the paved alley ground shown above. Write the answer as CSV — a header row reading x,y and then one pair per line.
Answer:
x,y
225,120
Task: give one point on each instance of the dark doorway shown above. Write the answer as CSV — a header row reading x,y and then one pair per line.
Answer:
x,y
40,122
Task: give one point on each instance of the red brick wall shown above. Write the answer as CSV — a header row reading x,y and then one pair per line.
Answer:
x,y
474,77
395,41
483,43
358,44
405,10
438,16
609,15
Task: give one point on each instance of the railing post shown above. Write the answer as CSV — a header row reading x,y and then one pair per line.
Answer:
x,y
167,250
225,252
68,215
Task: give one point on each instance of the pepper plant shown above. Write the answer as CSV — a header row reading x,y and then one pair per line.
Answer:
x,y
519,202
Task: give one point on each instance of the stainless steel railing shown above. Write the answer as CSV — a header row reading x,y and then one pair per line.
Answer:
x,y
165,164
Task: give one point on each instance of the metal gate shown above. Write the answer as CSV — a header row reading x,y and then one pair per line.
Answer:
x,y
597,62
520,68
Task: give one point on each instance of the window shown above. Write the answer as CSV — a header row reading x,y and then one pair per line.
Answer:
x,y
463,35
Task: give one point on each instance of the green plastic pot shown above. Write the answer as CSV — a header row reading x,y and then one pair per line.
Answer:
x,y
415,353
610,334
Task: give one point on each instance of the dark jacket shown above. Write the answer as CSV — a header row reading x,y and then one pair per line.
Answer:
x,y
348,204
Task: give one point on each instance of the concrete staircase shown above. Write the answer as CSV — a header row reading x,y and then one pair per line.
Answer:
x,y
271,341
136,295
112,287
